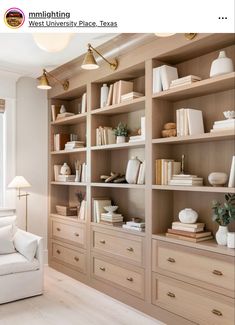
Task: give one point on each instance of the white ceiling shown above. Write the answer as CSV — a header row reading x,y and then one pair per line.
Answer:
x,y
20,54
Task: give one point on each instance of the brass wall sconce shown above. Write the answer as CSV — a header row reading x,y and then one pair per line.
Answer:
x,y
89,62
44,82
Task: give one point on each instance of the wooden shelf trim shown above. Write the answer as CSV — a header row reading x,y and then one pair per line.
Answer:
x,y
78,118
126,145
121,185
199,88
69,183
209,189
125,107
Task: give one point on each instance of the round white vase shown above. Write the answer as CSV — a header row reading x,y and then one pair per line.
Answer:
x,y
217,179
120,139
221,65
65,169
222,235
188,215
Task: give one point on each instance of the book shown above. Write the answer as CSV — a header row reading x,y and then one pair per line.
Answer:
x,y
60,139
224,125
133,228
123,88
157,82
136,224
168,74
110,96
173,168
114,224
194,240
141,175
66,178
57,169
188,229
84,103
189,225
114,99
84,173
64,115
130,96
189,234
186,79
189,122
55,109
231,181
198,182
98,207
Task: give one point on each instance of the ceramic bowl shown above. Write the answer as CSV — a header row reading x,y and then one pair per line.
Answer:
x,y
111,208
217,179
188,215
229,114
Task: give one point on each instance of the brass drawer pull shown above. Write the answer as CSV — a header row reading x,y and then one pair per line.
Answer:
x,y
102,268
130,249
76,234
171,294
76,258
217,312
171,260
102,241
58,251
58,229
130,279
216,272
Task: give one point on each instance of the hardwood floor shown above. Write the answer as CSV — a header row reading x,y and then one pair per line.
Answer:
x,y
69,302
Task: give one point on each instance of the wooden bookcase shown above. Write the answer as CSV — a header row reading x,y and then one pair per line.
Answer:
x,y
158,205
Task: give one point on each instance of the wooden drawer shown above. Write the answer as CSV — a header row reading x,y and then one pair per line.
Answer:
x,y
190,262
69,256
198,305
130,248
127,279
70,233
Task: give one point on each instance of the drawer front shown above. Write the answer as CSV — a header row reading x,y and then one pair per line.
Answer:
x,y
69,256
125,278
70,233
214,271
126,248
182,299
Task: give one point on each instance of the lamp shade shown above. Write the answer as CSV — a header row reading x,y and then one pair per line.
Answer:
x,y
89,62
43,82
19,182
164,34
52,42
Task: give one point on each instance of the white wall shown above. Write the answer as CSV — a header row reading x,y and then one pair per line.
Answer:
x,y
32,153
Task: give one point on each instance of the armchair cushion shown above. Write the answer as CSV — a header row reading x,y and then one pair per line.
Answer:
x,y
26,244
6,240
6,221
16,263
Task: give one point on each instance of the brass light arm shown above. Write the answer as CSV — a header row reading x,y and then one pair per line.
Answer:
x,y
113,65
64,84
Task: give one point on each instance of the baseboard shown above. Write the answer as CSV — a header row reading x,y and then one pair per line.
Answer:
x,y
45,256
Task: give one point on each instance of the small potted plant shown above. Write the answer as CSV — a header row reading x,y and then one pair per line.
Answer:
x,y
223,214
121,132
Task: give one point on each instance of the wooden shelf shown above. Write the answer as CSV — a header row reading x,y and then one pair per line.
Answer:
x,y
126,145
199,88
70,218
209,189
121,185
69,183
78,118
120,229
209,245
205,137
66,152
125,107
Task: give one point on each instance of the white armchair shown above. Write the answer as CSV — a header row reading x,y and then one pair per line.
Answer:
x,y
20,277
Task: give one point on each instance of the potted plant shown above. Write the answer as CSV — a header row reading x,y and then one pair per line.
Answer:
x,y
121,133
223,214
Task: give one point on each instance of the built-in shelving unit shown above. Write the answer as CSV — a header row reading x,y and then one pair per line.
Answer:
x,y
126,251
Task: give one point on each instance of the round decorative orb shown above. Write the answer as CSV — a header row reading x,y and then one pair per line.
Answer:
x,y
188,215
217,179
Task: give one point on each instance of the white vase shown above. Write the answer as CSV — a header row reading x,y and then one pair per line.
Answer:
x,y
65,169
104,95
222,235
120,139
188,216
132,170
221,65
62,109
231,240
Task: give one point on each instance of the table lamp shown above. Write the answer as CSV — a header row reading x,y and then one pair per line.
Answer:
x,y
18,183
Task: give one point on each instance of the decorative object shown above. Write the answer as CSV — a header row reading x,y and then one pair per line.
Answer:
x,y
65,169
231,240
111,208
19,182
221,65
223,214
44,82
90,63
62,109
111,217
80,196
217,179
231,182
169,130
188,215
113,177
66,210
132,170
121,132
104,91
82,210
182,164
229,114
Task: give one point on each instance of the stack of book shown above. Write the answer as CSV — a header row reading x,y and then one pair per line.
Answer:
x,y
189,122
224,125
188,80
60,139
66,178
118,89
111,219
105,135
165,169
191,232
64,115
162,77
186,180
130,96
70,145
132,225
140,137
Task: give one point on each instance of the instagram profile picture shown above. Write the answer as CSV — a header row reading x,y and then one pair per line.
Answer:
x,y
14,18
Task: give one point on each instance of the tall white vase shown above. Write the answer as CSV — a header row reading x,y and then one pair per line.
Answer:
x,y
222,235
221,65
132,170
104,95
